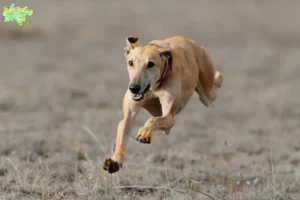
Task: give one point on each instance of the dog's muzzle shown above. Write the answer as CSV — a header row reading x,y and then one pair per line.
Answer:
x,y
136,92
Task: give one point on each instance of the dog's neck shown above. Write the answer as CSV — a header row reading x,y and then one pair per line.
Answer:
x,y
163,75
165,71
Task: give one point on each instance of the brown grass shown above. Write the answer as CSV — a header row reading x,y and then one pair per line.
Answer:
x,y
62,79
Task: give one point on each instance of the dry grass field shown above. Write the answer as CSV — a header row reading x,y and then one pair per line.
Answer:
x,y
63,77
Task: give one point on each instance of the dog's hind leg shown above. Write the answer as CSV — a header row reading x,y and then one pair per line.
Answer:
x,y
207,100
209,80
202,97
217,84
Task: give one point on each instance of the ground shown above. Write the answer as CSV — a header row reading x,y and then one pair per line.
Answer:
x,y
64,75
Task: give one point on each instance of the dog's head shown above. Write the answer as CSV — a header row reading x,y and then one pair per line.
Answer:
x,y
146,64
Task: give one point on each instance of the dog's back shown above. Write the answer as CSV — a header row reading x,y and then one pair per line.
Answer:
x,y
191,55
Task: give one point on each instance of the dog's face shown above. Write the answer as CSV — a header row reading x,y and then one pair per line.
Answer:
x,y
145,65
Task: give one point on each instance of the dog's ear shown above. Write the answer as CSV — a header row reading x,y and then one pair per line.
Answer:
x,y
167,54
131,43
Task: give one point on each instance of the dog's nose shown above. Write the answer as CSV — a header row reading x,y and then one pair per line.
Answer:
x,y
134,88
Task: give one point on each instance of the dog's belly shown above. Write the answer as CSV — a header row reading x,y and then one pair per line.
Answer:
x,y
188,84
186,96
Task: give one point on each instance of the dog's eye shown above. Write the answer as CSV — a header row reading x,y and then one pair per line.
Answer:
x,y
150,64
130,63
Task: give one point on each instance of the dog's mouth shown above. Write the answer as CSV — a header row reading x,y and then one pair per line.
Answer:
x,y
137,97
140,95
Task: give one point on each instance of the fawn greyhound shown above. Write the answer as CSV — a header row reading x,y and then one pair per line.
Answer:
x,y
163,76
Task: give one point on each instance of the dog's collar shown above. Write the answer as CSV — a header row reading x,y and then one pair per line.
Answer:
x,y
165,71
163,75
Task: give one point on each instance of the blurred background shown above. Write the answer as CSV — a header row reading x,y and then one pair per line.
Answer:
x,y
63,77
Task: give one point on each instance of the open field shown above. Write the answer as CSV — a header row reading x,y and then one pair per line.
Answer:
x,y
62,79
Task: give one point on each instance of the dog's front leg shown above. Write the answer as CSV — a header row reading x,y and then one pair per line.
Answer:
x,y
163,123
130,111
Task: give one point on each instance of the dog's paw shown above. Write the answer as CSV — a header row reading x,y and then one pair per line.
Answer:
x,y
166,132
111,166
144,135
